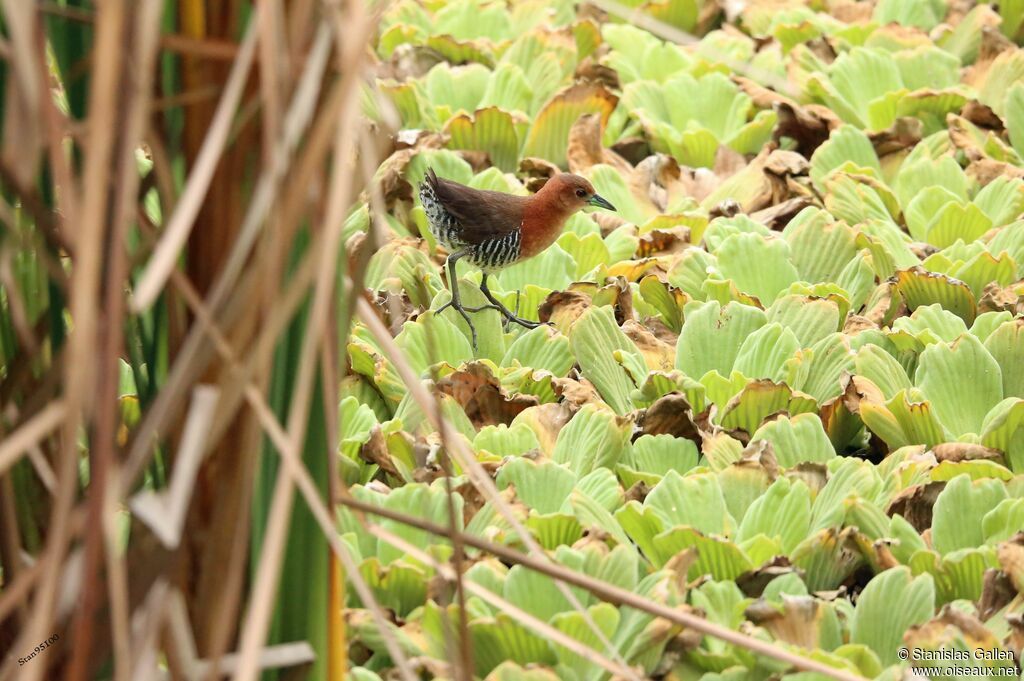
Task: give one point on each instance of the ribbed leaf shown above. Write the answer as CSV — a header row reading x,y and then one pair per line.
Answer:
x,y
1002,199
695,501
797,439
919,287
660,454
508,90
605,616
983,269
920,13
959,575
810,319
541,348
595,339
431,503
890,604
510,671
882,369
553,269
432,339
902,421
593,438
1004,430
760,399
818,248
554,529
717,557
1006,345
490,130
826,559
782,513
773,273
959,510
588,251
712,336
505,440
549,135
962,381
818,371
1007,70
846,143
502,639
543,486
955,221
638,55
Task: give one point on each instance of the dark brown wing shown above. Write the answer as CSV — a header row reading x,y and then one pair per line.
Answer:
x,y
481,214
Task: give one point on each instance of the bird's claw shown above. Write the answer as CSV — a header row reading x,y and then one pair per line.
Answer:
x,y
527,323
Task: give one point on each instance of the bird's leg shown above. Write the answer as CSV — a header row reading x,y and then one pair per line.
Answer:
x,y
509,315
455,302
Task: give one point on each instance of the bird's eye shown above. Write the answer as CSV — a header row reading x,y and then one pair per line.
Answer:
x,y
582,193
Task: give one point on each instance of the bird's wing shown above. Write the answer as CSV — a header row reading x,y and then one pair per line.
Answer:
x,y
481,214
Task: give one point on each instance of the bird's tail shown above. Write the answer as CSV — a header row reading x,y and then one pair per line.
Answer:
x,y
428,187
431,178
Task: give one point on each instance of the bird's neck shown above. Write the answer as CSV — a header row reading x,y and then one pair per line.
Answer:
x,y
543,218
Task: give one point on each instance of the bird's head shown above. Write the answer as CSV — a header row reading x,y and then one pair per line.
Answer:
x,y
573,192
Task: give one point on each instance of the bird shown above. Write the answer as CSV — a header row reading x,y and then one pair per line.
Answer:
x,y
492,230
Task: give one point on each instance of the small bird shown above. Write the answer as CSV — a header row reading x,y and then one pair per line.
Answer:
x,y
493,230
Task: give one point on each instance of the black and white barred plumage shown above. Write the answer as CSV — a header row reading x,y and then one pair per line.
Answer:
x,y
485,250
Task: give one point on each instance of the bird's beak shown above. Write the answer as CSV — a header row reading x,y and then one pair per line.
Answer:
x,y
600,202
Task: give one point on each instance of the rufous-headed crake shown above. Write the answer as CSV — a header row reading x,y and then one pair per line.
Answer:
x,y
492,230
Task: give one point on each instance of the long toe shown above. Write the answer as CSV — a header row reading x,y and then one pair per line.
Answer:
x,y
481,308
523,322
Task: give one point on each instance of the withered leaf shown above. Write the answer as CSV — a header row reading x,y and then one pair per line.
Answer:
x,y
915,504
481,396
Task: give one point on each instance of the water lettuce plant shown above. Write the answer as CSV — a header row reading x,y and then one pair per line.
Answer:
x,y
783,387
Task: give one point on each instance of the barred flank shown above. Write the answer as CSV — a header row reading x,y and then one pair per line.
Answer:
x,y
489,255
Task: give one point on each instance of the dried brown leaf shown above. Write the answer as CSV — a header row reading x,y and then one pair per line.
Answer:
x,y
778,216
996,592
657,354
585,150
576,393
670,415
915,504
903,134
535,172
951,625
481,396
965,451
798,623
563,308
1011,560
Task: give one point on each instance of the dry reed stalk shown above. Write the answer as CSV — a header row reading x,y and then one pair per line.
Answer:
x,y
79,377
316,329
99,274
276,432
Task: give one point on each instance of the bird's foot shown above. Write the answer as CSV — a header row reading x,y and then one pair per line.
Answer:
x,y
464,312
508,314
527,323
